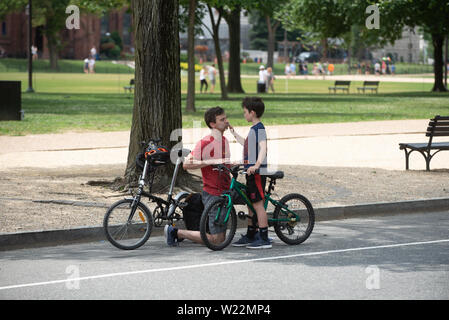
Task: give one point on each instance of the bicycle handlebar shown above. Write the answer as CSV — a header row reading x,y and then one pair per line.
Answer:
x,y
233,170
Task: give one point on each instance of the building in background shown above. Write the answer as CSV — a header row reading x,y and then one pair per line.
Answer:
x,y
76,44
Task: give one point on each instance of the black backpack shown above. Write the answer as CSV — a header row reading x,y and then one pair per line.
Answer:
x,y
193,211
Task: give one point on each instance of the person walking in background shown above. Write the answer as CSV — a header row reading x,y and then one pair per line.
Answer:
x,y
34,52
86,66
91,65
377,68
287,70
330,68
212,74
203,81
93,53
270,79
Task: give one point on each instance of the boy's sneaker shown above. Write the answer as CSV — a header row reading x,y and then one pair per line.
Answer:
x,y
170,236
243,241
259,244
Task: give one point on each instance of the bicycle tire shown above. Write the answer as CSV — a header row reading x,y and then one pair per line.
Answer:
x,y
296,231
116,226
230,229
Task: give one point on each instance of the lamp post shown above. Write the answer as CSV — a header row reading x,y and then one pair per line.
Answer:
x,y
28,11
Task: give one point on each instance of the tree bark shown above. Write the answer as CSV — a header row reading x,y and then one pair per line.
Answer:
x,y
157,98
53,52
271,39
190,104
215,28
233,20
438,41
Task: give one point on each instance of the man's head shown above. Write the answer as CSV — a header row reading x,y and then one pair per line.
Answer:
x,y
254,104
215,118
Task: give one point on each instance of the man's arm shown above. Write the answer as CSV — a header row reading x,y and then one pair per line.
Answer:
x,y
191,163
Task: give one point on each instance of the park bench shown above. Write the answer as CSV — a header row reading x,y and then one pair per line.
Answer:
x,y
129,88
438,127
340,85
369,85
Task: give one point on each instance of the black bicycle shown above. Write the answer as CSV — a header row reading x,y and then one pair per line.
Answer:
x,y
292,216
128,223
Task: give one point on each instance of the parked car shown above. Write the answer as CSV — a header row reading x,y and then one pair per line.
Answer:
x,y
311,56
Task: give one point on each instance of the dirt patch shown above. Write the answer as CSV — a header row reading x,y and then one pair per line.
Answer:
x,y
43,199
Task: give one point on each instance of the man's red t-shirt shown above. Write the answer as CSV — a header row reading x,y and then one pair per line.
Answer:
x,y
214,181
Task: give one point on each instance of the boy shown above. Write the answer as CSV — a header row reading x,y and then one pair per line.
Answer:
x,y
255,160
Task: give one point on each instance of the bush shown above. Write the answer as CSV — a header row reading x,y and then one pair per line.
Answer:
x,y
111,46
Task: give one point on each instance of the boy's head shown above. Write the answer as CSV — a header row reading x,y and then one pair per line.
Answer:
x,y
215,118
253,104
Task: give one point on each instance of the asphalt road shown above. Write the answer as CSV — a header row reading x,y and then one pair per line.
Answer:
x,y
390,257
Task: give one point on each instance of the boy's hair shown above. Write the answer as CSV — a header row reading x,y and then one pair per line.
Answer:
x,y
211,114
254,104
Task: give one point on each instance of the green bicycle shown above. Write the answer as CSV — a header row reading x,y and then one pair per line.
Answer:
x,y
292,216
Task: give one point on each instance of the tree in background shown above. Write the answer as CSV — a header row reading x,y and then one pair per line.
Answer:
x,y
431,15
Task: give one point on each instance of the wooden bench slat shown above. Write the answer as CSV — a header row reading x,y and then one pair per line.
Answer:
x,y
439,123
441,118
436,129
446,134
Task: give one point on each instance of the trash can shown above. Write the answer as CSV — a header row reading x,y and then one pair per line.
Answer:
x,y
11,100
260,87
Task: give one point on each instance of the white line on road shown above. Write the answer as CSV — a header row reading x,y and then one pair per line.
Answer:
x,y
109,275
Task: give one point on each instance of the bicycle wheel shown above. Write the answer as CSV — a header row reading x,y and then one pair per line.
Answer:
x,y
215,232
289,229
127,230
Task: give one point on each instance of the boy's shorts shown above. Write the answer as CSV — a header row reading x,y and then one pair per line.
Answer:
x,y
255,186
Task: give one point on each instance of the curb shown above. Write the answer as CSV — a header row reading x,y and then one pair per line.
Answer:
x,y
45,238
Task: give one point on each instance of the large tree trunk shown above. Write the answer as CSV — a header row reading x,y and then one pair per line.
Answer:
x,y
438,41
234,82
190,104
157,98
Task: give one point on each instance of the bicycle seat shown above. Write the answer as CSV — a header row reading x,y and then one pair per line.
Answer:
x,y
275,175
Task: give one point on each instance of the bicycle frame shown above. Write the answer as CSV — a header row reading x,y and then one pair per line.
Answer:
x,y
240,189
168,206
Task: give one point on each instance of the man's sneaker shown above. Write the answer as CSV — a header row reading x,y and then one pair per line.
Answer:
x,y
259,244
243,241
170,236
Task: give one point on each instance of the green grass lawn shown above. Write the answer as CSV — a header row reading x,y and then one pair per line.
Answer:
x,y
80,102
65,66
76,66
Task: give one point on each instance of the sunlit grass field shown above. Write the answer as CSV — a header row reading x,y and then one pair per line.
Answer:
x,y
80,102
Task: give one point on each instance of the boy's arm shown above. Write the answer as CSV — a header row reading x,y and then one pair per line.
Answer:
x,y
237,137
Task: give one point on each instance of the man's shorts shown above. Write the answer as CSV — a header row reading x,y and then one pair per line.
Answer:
x,y
255,186
213,228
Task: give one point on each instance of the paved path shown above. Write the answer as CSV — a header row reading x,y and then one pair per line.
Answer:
x,y
357,144
391,257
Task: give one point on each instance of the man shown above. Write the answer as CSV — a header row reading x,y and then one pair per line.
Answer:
x,y
211,150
